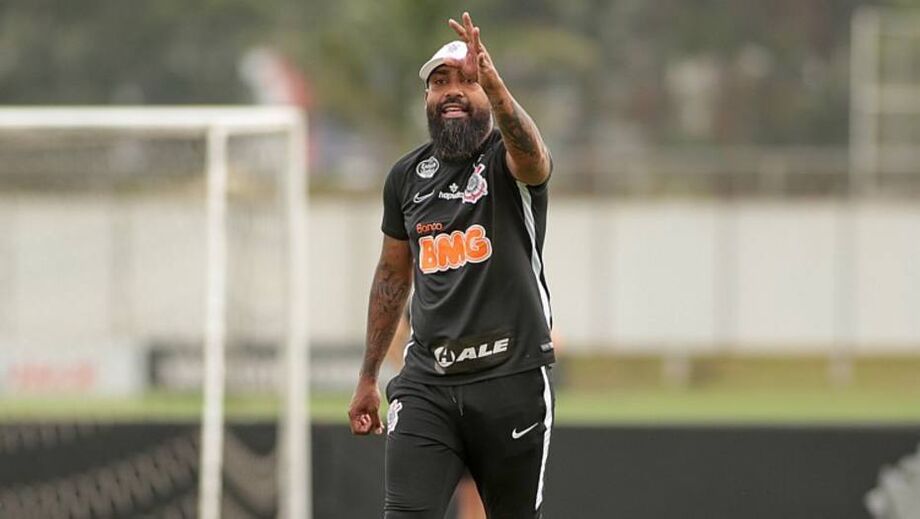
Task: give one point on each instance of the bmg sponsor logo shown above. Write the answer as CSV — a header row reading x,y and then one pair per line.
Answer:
x,y
454,250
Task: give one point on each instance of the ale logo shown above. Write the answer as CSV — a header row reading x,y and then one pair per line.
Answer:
x,y
445,357
454,250
464,356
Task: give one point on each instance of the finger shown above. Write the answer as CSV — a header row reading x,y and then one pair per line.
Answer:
x,y
470,28
484,56
461,32
475,40
375,423
361,421
467,22
359,425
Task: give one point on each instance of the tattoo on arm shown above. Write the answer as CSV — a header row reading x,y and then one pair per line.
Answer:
x,y
388,297
522,137
519,131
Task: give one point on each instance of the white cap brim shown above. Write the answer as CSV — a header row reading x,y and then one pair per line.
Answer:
x,y
453,50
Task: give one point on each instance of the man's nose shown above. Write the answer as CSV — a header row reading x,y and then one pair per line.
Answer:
x,y
454,90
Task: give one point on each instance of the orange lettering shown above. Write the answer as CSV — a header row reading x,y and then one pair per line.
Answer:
x,y
427,257
478,247
451,250
423,228
454,250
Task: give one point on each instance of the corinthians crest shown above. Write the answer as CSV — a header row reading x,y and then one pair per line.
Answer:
x,y
393,415
476,187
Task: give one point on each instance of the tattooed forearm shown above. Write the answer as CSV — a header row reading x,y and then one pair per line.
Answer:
x,y
528,154
519,131
388,297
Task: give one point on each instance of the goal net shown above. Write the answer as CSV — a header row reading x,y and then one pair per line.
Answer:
x,y
155,255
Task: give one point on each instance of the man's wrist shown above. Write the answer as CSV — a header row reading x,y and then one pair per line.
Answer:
x,y
494,88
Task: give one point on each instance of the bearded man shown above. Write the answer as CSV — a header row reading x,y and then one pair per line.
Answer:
x,y
464,221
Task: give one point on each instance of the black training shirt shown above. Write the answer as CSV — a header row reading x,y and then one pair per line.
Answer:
x,y
480,307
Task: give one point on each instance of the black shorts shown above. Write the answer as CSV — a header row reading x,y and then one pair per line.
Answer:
x,y
498,429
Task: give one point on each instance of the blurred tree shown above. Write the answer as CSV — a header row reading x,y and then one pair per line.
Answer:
x,y
365,65
598,72
110,51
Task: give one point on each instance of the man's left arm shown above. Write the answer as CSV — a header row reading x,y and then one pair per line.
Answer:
x,y
527,155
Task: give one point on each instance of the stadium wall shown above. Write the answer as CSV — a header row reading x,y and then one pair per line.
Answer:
x,y
750,276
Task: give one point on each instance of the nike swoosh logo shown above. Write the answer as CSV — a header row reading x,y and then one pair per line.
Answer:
x,y
419,199
515,434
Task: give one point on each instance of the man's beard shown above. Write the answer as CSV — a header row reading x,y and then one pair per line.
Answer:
x,y
457,139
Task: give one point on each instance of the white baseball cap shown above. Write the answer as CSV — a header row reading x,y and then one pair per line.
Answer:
x,y
453,50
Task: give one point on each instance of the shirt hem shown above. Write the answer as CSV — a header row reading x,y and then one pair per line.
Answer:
x,y
456,380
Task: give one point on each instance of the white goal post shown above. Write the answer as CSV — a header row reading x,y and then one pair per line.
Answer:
x,y
215,125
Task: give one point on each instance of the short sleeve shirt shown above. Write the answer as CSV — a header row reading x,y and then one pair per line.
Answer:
x,y
480,306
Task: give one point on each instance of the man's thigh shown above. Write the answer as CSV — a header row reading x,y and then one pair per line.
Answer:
x,y
423,462
507,427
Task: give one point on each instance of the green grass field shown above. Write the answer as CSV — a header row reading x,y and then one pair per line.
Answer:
x,y
573,407
602,391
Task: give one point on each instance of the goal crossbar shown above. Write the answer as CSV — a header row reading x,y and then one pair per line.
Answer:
x,y
195,118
